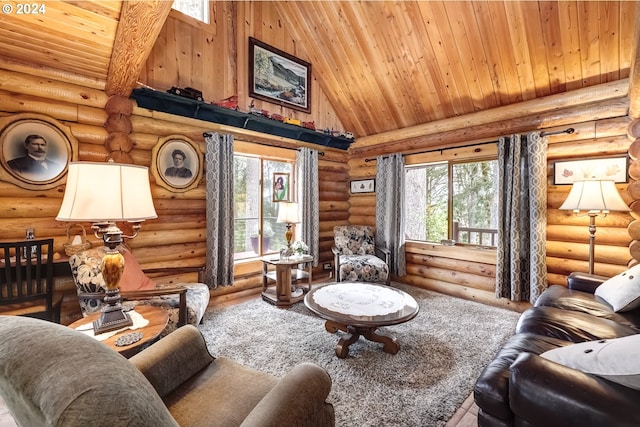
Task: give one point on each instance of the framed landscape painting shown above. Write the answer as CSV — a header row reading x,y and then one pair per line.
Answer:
x,y
278,77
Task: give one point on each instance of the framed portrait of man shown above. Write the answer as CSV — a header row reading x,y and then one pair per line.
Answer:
x,y
36,150
177,163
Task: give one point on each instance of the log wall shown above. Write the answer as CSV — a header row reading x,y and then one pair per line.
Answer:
x,y
470,272
213,58
177,236
567,234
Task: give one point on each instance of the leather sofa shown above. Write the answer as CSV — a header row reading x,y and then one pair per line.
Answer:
x,y
52,375
521,388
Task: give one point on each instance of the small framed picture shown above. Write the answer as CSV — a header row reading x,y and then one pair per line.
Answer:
x,y
614,168
36,150
363,186
281,187
177,163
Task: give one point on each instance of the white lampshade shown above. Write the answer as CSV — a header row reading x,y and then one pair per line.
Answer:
x,y
288,213
594,195
98,192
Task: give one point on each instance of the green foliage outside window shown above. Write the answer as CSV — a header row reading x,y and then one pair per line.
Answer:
x,y
463,193
256,229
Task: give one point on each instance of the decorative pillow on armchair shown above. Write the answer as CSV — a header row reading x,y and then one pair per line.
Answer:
x,y
133,278
622,292
86,270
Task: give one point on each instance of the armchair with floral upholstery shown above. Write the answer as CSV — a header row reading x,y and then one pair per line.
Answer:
x,y
185,302
356,257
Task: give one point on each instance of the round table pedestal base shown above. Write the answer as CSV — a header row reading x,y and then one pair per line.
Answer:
x,y
353,333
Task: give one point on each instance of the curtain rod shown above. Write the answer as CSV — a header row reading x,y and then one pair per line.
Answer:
x,y
320,153
568,130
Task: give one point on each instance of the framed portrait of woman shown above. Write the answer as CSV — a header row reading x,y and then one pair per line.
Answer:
x,y
281,187
36,150
177,163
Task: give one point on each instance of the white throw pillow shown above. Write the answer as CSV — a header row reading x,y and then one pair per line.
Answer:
x,y
617,360
622,291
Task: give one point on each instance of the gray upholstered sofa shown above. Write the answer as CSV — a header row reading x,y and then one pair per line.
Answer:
x,y
51,375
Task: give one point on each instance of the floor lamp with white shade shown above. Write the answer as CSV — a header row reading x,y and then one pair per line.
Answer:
x,y
598,197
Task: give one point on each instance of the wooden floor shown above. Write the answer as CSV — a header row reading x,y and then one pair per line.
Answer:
x,y
466,416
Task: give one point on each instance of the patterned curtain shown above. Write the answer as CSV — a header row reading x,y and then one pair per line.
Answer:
x,y
521,271
390,208
219,181
308,199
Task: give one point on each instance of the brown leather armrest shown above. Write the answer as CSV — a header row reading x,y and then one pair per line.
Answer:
x,y
584,282
542,392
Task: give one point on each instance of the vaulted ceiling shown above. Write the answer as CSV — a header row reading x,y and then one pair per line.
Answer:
x,y
383,65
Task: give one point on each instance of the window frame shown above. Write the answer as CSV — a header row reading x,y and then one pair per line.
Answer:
x,y
195,22
264,154
450,157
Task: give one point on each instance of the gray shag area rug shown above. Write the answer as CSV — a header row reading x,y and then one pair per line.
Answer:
x,y
442,351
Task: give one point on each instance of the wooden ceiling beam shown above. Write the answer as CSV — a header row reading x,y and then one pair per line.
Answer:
x,y
547,104
139,27
634,77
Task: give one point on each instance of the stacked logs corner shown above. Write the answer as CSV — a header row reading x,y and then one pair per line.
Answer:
x,y
119,127
633,190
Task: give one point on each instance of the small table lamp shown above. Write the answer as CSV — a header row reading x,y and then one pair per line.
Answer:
x,y
104,193
598,197
288,214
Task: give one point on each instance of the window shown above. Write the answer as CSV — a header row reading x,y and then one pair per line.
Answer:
x,y
256,230
197,9
453,200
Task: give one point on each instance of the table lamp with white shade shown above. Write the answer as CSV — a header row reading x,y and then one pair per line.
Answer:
x,y
104,193
598,197
288,214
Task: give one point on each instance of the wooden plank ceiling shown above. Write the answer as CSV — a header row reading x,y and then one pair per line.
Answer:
x,y
383,65
390,65
76,37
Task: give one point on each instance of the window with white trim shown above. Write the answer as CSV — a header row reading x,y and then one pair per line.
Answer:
x,y
197,9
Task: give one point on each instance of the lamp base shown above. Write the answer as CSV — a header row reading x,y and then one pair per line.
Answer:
x,y
288,235
112,318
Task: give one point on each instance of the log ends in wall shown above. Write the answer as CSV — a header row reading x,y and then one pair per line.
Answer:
x,y
633,135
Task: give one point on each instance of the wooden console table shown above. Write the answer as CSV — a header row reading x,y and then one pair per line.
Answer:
x,y
283,294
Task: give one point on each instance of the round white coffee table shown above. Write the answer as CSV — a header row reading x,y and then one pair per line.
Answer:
x,y
359,308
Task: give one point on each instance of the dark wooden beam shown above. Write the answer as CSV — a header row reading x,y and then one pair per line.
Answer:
x,y
139,27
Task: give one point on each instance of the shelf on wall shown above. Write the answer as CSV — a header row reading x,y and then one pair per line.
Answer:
x,y
178,105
